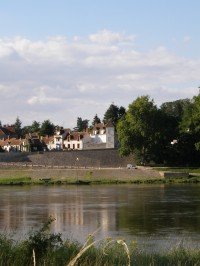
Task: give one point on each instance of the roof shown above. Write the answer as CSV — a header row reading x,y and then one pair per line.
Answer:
x,y
75,135
102,125
11,141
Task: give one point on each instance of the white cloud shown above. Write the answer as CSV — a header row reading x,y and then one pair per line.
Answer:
x,y
108,37
62,79
41,97
187,38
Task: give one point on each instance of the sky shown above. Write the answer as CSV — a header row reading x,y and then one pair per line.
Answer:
x,y
63,59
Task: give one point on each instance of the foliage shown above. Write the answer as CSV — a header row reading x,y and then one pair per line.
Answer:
x,y
70,253
96,120
81,124
190,123
18,124
114,114
35,127
175,109
137,129
47,128
41,240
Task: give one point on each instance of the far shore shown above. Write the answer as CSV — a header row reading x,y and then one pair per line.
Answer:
x,y
18,173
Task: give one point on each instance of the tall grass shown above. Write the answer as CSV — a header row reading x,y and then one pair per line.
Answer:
x,y
42,248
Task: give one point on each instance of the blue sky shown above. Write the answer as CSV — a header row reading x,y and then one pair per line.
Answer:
x,y
63,59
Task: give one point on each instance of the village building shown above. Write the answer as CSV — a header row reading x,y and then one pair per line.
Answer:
x,y
101,136
7,131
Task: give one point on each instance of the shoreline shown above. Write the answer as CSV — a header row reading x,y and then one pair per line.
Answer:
x,y
16,174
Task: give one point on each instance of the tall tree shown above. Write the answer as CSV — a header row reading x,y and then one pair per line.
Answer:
x,y
81,124
190,125
113,114
175,108
182,150
137,129
35,127
47,128
18,125
96,120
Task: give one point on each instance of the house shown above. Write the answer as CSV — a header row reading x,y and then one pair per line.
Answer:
x,y
76,140
6,131
11,144
59,137
101,136
104,135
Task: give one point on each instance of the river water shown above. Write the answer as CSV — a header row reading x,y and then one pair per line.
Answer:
x,y
156,216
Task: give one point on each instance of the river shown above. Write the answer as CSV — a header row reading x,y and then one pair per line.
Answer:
x,y
156,216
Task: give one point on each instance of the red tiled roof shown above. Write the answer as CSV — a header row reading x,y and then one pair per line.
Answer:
x,y
75,135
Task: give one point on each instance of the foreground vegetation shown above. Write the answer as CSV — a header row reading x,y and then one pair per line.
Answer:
x,y
44,248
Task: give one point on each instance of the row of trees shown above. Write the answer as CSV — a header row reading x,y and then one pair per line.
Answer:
x,y
169,134
113,114
45,128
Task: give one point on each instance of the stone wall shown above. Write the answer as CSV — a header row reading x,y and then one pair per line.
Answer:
x,y
85,158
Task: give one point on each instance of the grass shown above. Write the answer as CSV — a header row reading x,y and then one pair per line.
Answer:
x,y
43,248
82,181
26,177
178,169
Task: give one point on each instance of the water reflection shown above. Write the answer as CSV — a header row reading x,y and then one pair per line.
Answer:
x,y
149,213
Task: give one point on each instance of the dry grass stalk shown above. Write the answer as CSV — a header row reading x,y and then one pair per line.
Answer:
x,y
86,246
34,258
123,243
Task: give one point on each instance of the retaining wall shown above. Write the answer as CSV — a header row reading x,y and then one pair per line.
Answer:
x,y
84,158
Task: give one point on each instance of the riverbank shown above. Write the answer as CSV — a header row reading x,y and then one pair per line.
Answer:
x,y
52,175
14,174
44,248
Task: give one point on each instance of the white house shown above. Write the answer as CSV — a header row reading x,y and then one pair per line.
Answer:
x,y
11,144
101,136
76,140
56,142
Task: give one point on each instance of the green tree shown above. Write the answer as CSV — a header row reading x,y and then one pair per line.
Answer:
x,y
190,129
47,128
175,108
96,120
113,114
137,129
35,127
81,124
18,125
182,150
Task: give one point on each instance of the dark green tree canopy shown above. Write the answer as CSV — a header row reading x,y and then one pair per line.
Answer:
x,y
81,124
96,120
35,127
137,129
47,128
18,124
113,114
175,108
190,124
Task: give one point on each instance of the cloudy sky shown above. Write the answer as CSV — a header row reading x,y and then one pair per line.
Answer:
x,y
60,59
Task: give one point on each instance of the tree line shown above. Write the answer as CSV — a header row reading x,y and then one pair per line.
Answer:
x,y
112,114
169,134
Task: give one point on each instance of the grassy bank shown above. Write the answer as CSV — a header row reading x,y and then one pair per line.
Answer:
x,y
44,248
93,176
